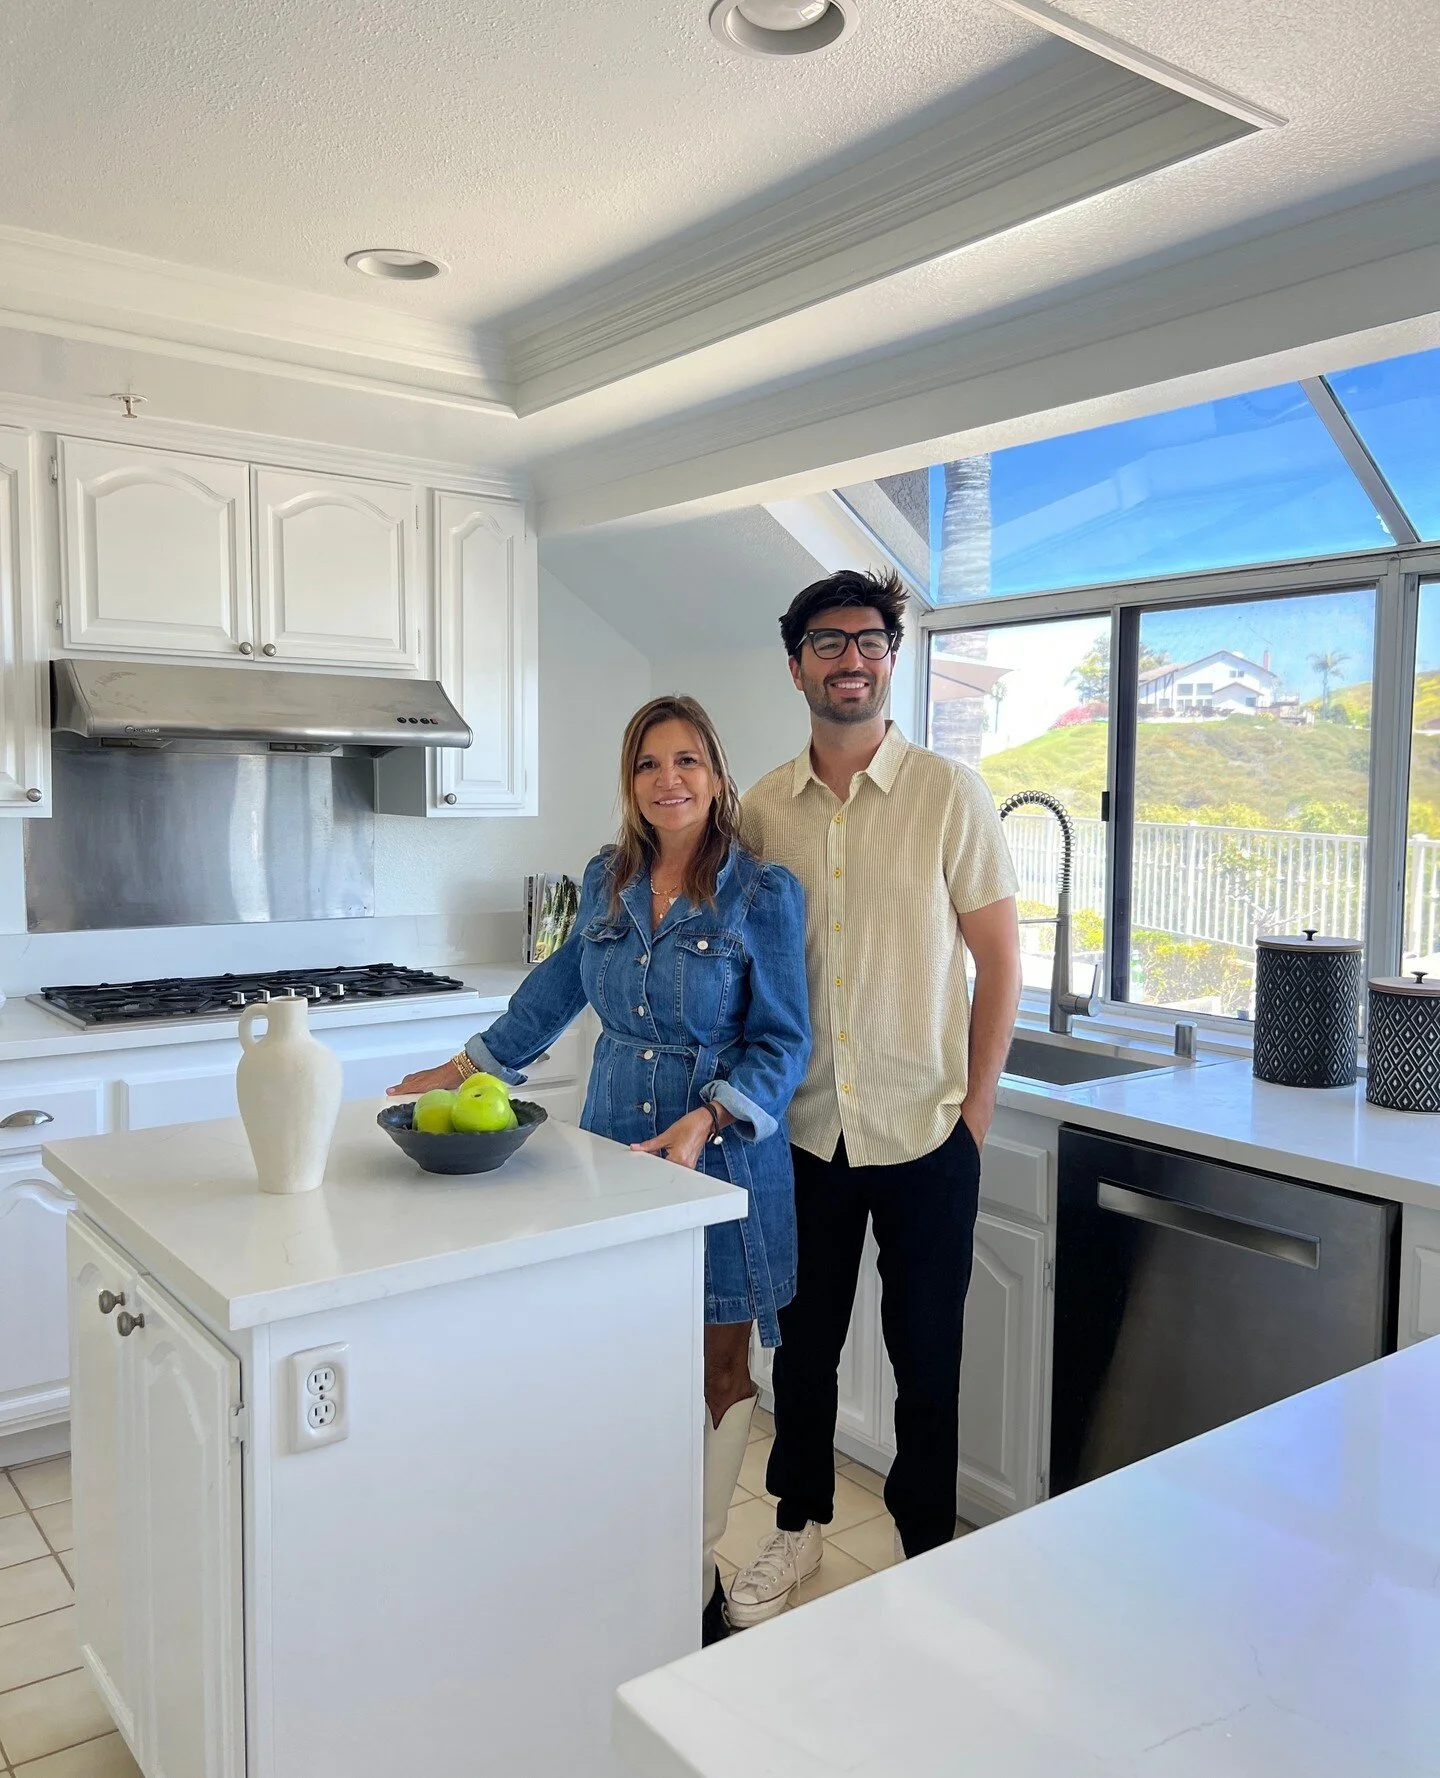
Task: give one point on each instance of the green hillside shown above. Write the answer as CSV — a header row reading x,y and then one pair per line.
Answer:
x,y
1241,770
1355,701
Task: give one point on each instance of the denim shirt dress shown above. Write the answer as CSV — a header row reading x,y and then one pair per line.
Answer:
x,y
712,1005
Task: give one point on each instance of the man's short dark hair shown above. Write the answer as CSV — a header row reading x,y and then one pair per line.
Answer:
x,y
884,593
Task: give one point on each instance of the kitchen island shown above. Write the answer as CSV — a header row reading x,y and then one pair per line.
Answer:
x,y
1263,1602
401,1475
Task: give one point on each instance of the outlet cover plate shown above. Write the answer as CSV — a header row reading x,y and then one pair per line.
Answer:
x,y
319,1397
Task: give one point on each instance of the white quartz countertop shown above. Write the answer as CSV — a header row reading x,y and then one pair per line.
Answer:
x,y
182,1201
28,1031
1263,1602
1329,1136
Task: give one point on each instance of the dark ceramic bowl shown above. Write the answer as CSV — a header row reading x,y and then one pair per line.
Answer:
x,y
460,1151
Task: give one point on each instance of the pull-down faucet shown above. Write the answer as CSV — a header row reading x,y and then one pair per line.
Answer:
x,y
1064,1002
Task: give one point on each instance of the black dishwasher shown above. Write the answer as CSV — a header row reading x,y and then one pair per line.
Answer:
x,y
1188,1293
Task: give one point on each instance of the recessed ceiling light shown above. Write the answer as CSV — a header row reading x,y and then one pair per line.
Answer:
x,y
393,262
781,27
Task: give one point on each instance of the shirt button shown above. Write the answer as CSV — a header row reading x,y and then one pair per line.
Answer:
x,y
842,1037
846,1087
703,945
839,820
647,1055
647,1106
837,925
837,873
838,982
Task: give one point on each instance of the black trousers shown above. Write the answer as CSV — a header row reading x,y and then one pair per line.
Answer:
x,y
924,1216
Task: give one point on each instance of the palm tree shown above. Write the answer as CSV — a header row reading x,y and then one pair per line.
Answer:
x,y
956,726
1328,667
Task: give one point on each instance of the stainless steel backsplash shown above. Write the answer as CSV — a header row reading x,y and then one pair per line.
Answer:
x,y
204,835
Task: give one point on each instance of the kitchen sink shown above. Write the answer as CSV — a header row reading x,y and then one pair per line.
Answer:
x,y
1060,1064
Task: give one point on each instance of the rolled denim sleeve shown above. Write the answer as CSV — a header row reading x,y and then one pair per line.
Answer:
x,y
776,1035
550,998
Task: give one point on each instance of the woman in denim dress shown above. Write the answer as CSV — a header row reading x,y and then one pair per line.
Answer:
x,y
692,953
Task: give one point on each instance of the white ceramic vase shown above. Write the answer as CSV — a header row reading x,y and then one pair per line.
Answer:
x,y
288,1084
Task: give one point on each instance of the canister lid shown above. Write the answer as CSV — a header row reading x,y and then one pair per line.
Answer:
x,y
1307,941
1419,982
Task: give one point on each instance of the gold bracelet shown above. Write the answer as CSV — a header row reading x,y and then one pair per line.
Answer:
x,y
464,1064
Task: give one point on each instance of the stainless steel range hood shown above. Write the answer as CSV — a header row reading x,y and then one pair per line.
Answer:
x,y
139,704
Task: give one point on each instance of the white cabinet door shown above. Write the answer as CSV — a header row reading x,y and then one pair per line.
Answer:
x,y
1001,1376
101,1462
34,1342
334,564
24,734
487,579
187,1603
156,551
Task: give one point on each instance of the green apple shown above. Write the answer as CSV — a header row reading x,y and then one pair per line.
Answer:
x,y
484,1111
433,1112
483,1083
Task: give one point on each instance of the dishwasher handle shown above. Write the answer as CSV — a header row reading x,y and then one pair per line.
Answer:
x,y
1209,1225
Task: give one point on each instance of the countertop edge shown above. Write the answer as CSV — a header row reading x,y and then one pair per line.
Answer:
x,y
727,1203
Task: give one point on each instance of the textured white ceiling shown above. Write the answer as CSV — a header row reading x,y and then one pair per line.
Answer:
x,y
525,142
705,585
536,144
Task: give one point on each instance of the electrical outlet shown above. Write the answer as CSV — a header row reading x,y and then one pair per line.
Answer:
x,y
319,1397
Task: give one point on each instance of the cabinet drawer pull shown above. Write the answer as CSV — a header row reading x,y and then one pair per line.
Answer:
x,y
247,647
25,1120
34,796
269,648
126,1323
109,1301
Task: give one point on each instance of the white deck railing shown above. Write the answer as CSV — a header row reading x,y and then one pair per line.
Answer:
x,y
1226,884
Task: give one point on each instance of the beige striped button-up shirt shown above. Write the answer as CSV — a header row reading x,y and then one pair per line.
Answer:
x,y
887,875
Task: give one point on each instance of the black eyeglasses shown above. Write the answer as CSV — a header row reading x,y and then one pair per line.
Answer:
x,y
829,645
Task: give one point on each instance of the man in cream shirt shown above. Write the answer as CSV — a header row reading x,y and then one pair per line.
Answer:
x,y
905,870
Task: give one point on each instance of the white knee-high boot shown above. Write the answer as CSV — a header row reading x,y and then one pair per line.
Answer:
x,y
724,1453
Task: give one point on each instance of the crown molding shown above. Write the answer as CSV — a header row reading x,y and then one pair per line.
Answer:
x,y
103,294
1215,311
1070,129
1139,61
35,413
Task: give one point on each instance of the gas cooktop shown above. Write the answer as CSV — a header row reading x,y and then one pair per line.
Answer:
x,y
222,996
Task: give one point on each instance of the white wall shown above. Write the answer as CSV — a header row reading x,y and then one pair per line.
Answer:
x,y
446,891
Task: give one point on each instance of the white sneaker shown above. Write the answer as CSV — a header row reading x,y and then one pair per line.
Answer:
x,y
763,1589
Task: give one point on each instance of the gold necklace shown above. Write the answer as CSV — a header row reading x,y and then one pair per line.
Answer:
x,y
660,895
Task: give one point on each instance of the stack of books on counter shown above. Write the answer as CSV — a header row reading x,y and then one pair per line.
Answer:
x,y
551,904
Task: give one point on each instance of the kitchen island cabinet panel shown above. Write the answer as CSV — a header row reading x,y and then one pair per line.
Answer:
x,y
34,1355
156,551
509,1525
156,1476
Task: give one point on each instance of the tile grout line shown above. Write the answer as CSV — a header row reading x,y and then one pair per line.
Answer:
x,y
8,1771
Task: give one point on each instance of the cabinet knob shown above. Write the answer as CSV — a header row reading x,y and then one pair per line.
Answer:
x,y
247,648
34,796
269,648
110,1302
25,1120
450,797
126,1323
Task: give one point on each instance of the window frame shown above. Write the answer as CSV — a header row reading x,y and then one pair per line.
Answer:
x,y
1395,574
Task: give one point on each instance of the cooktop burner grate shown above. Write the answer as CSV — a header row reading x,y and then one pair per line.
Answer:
x,y
195,997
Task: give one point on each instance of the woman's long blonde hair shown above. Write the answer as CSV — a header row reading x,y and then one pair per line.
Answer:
x,y
636,848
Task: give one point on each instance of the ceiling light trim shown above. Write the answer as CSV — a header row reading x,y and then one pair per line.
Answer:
x,y
1139,61
742,36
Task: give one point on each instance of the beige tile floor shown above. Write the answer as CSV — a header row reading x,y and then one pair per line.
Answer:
x,y
859,1540
52,1723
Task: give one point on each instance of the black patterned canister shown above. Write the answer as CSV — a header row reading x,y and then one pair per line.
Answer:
x,y
1307,1010
1402,1044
